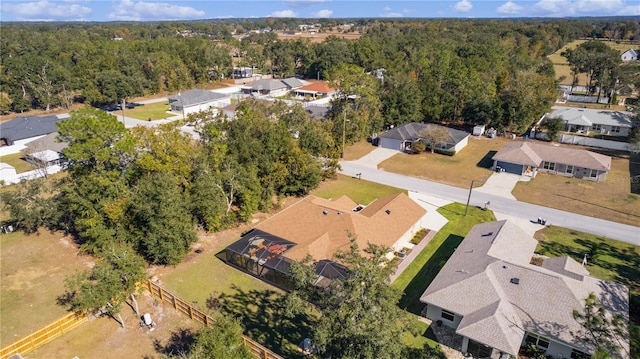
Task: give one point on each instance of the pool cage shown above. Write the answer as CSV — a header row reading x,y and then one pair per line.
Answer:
x,y
261,254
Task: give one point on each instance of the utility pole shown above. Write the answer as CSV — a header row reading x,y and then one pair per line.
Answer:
x,y
344,131
468,199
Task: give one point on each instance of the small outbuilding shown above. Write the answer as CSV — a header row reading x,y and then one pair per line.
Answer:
x,y
478,130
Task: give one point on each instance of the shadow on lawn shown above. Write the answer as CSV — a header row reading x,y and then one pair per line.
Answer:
x,y
178,345
410,301
487,160
267,319
634,173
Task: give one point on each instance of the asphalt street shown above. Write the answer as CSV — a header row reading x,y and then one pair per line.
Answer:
x,y
622,232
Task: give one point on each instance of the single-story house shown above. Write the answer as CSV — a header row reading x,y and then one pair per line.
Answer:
x,y
45,151
197,100
401,138
294,83
630,55
498,302
315,90
242,72
27,129
584,120
230,110
266,87
321,228
525,158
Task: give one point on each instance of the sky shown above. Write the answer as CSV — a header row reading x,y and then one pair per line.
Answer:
x,y
154,10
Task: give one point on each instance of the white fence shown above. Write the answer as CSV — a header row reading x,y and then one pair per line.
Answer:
x,y
594,142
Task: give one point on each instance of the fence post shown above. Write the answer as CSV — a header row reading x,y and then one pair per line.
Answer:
x,y
190,311
160,292
206,320
175,304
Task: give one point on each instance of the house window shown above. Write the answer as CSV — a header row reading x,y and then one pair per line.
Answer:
x,y
597,127
569,169
551,166
576,354
539,341
593,174
448,315
615,129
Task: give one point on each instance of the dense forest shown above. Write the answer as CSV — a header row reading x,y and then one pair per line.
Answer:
x,y
493,72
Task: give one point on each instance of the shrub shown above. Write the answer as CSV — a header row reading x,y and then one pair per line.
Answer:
x,y
419,236
446,152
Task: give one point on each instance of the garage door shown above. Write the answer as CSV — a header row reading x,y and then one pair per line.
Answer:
x,y
511,167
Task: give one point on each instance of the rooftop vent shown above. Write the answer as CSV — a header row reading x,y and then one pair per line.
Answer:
x,y
339,213
488,234
388,211
505,266
325,212
515,280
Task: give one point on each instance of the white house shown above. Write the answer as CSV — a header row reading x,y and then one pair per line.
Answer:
x,y
630,55
401,138
584,121
198,100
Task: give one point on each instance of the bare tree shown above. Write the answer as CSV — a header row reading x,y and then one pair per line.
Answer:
x,y
434,136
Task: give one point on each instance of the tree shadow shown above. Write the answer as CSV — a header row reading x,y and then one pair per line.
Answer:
x,y
266,318
410,300
487,160
178,344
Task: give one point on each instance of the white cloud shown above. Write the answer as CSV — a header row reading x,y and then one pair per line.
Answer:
x,y
44,10
509,8
553,8
387,12
322,13
129,10
463,6
386,9
630,10
283,13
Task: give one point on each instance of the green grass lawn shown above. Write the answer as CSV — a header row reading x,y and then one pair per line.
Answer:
x,y
155,111
610,260
424,268
18,162
360,191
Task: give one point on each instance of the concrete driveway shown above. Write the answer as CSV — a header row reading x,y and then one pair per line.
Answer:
x,y
376,156
501,184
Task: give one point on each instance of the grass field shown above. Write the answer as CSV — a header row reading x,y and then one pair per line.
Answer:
x,y
33,271
18,162
472,163
611,260
615,199
357,150
424,268
363,192
154,111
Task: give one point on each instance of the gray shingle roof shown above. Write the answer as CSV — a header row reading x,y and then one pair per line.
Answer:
x,y
411,131
476,284
26,127
589,117
532,154
265,84
197,97
293,83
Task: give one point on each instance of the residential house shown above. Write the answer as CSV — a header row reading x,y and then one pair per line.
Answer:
x,y
197,100
22,130
402,137
321,228
266,87
242,72
498,302
315,90
294,83
584,121
525,158
630,55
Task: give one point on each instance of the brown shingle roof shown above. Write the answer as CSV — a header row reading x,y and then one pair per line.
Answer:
x,y
321,227
532,154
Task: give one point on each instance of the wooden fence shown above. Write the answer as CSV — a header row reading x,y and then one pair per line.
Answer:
x,y
194,313
43,335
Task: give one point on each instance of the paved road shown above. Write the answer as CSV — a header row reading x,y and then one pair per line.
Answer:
x,y
622,232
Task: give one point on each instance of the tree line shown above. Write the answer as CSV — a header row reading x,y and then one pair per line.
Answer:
x,y
492,72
